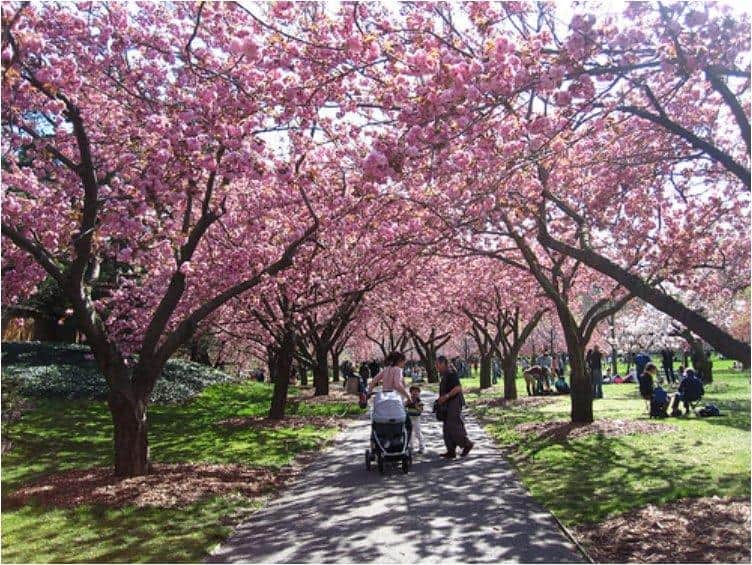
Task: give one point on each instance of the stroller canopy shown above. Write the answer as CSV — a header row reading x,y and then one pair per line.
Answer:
x,y
388,408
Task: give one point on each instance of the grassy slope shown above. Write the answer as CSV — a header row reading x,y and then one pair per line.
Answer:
x,y
60,435
586,480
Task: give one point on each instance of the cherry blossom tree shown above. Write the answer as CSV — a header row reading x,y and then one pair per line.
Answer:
x,y
141,146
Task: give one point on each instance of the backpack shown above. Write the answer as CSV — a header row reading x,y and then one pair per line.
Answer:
x,y
660,395
658,409
710,410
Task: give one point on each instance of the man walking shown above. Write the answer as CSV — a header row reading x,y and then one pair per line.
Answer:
x,y
450,396
596,371
667,356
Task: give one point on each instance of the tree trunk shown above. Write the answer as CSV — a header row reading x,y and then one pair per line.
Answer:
x,y
321,372
131,442
614,366
582,390
303,373
284,369
485,371
272,363
335,367
431,374
509,366
200,351
701,363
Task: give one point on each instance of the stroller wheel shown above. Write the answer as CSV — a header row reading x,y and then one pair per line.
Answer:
x,y
380,464
405,465
368,459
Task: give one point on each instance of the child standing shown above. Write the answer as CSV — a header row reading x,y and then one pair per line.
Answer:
x,y
414,408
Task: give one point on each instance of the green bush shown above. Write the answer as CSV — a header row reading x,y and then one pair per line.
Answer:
x,y
68,371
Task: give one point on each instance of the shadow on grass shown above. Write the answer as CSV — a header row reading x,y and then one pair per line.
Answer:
x,y
60,435
585,480
100,534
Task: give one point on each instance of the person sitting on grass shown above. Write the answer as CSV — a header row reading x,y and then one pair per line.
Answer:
x,y
561,385
630,377
691,389
647,383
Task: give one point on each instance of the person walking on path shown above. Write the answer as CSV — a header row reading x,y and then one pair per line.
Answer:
x,y
596,372
364,373
450,393
373,368
390,377
414,410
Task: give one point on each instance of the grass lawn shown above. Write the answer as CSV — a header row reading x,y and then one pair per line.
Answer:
x,y
59,435
588,479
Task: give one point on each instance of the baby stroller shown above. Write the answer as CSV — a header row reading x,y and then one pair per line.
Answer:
x,y
389,439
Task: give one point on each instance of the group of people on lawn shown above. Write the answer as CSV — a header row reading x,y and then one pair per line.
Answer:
x,y
690,388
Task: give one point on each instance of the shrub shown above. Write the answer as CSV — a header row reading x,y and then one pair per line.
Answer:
x,y
68,371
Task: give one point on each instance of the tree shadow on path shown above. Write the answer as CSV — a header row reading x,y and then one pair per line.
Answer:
x,y
470,510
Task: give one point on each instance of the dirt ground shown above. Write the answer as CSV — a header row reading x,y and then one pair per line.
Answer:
x,y
336,394
523,401
167,486
560,430
704,530
260,422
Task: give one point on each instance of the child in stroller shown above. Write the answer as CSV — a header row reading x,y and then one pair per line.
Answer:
x,y
390,433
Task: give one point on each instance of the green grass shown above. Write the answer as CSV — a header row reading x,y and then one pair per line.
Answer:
x,y
59,435
99,534
589,479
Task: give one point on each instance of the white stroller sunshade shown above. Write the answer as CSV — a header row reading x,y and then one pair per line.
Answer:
x,y
388,408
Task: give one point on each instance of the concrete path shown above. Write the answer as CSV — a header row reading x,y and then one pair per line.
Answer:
x,y
467,510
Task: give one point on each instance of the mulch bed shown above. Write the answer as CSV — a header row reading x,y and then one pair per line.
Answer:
x,y
336,394
169,485
295,422
560,430
709,530
523,401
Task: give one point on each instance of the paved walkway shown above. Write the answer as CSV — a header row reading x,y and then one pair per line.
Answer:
x,y
468,510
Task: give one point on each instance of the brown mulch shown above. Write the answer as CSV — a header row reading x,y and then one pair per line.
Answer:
x,y
523,401
336,394
560,430
704,530
169,485
295,422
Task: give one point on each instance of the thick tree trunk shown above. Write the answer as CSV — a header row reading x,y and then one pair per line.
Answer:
x,y
701,363
335,367
199,351
284,369
432,374
485,371
321,372
131,440
509,366
272,363
581,388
